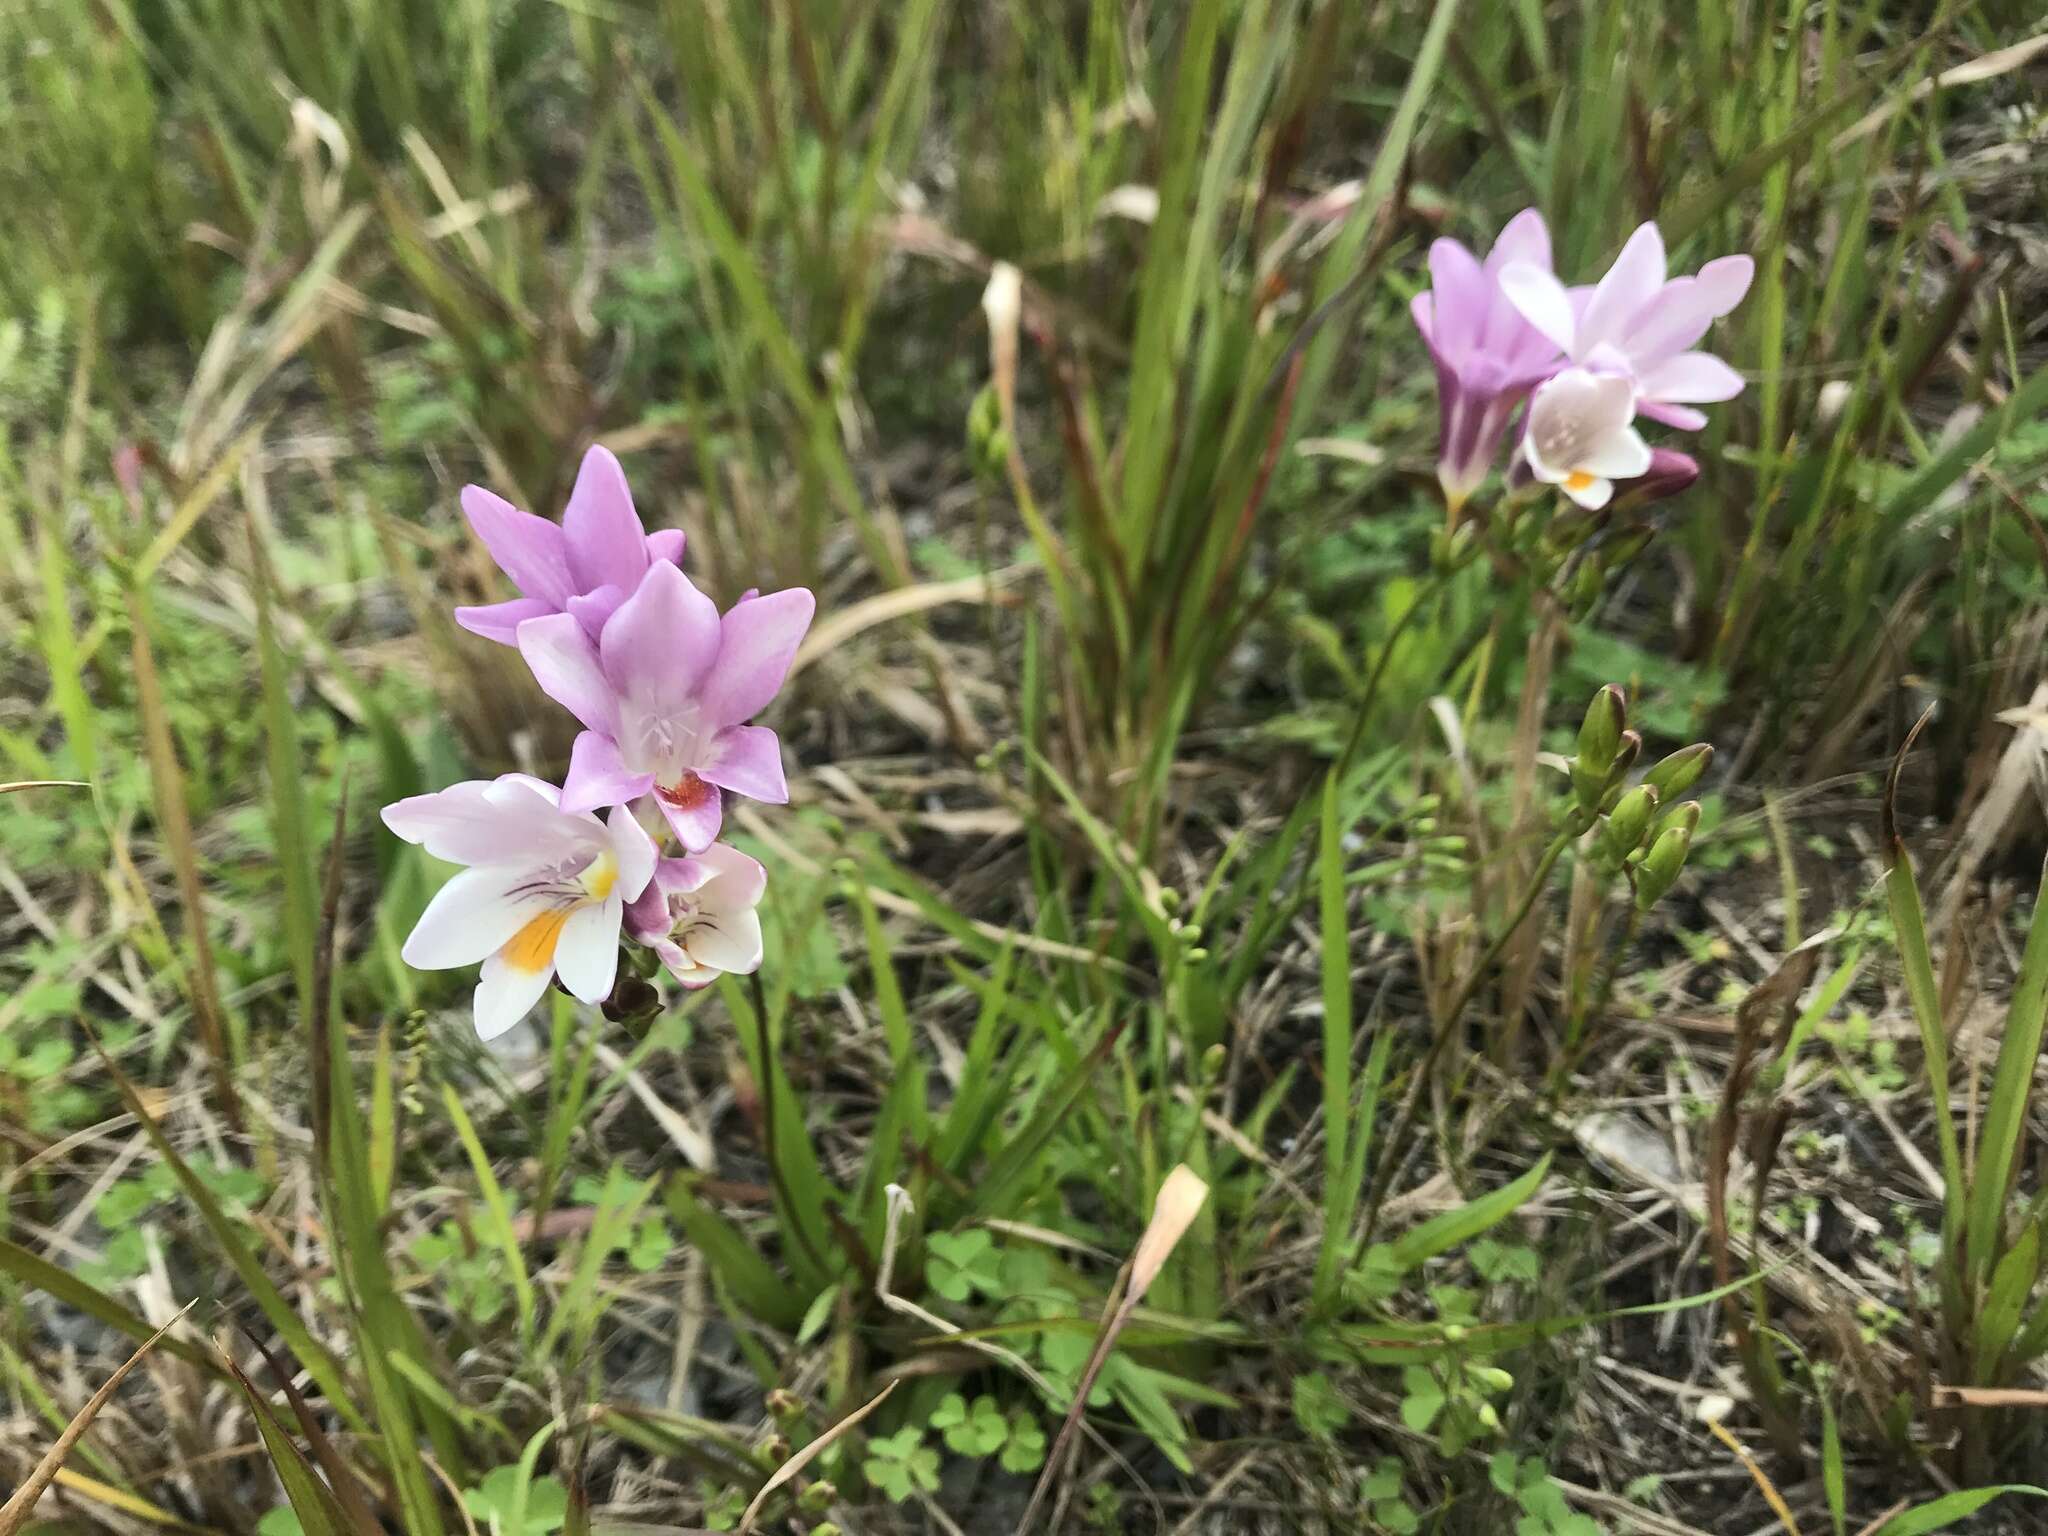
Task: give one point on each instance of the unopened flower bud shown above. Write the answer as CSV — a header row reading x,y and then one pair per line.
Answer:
x,y
1669,473
784,1405
1491,1377
1212,1060
1488,1419
1626,823
1600,734
816,1499
1674,775
1661,865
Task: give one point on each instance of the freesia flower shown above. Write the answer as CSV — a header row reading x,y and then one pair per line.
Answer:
x,y
1581,435
1488,356
1636,322
664,696
585,567
544,894
698,915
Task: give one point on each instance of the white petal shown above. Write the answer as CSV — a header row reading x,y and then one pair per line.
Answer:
x,y
726,941
459,824
1618,456
1542,300
1588,493
632,847
587,954
1570,414
505,994
736,880
472,916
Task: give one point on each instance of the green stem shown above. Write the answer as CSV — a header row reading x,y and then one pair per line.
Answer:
x,y
1448,1026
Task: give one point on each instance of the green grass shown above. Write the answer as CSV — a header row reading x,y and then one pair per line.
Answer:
x,y
1225,833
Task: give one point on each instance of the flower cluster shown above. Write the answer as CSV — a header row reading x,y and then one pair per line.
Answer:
x,y
664,686
1587,361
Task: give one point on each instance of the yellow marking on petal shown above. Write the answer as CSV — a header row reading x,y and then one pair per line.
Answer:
x,y
1578,480
602,875
532,948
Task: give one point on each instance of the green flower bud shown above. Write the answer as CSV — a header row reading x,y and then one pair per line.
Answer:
x,y
1454,1333
784,1405
1491,1377
1626,824
817,1498
1600,735
1661,865
1626,754
1212,1061
1677,773
1488,1419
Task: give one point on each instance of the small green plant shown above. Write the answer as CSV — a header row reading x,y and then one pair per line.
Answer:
x,y
509,1505
1386,1507
1544,1510
982,1429
902,1464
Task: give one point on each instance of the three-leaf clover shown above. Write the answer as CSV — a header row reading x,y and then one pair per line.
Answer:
x,y
1025,1449
1422,1398
960,1263
901,1463
979,1430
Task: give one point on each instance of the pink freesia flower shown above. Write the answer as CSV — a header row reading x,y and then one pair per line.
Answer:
x,y
1487,355
585,567
1638,323
664,696
544,894
1581,434
698,915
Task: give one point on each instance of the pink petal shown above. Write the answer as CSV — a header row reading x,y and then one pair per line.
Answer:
x,y
682,877
597,778
747,759
665,544
501,621
458,824
697,822
1630,284
741,880
565,665
1420,308
1542,301
606,544
757,641
1691,377
527,548
1459,292
1525,237
593,609
587,954
660,643
1683,417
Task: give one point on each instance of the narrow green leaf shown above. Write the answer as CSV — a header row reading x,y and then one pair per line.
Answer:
x,y
2012,1083
1442,1233
1944,1512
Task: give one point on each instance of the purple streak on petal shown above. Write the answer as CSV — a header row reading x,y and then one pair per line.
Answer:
x,y
665,544
527,548
606,544
757,641
660,643
747,759
565,665
597,778
501,621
